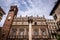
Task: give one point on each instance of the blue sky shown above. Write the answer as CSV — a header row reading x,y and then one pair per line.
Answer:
x,y
29,7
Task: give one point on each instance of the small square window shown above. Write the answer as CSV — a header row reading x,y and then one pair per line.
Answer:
x,y
35,23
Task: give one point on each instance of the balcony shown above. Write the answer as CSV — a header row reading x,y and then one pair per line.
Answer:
x,y
26,36
36,36
40,36
54,35
53,32
58,28
58,25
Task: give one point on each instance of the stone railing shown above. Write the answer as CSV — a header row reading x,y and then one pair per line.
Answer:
x,y
26,36
18,36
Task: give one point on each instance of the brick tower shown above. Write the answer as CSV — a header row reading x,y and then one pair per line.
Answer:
x,y
7,25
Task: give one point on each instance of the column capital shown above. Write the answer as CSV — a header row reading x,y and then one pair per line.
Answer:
x,y
30,20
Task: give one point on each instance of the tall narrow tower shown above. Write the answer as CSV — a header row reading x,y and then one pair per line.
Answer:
x,y
7,25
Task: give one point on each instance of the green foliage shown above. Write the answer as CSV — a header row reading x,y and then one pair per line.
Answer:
x,y
58,37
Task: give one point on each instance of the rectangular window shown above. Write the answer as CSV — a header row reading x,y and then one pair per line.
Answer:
x,y
14,23
55,17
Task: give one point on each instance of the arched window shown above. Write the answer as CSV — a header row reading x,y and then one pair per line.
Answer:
x,y
21,32
43,32
36,32
55,16
13,31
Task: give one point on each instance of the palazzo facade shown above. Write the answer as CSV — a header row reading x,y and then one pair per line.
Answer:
x,y
28,28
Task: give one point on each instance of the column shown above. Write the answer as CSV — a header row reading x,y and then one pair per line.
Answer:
x,y
47,31
39,31
17,33
30,33
30,28
24,31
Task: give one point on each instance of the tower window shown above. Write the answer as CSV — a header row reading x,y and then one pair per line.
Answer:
x,y
11,9
9,18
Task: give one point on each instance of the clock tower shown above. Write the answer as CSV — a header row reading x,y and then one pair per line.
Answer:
x,y
8,22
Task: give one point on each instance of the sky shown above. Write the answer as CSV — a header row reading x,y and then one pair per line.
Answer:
x,y
28,7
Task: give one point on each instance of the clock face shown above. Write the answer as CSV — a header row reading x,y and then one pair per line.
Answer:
x,y
9,17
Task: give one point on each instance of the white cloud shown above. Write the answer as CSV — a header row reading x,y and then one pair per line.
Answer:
x,y
38,7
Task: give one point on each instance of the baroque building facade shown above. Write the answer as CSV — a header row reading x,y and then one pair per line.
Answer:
x,y
28,28
42,29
